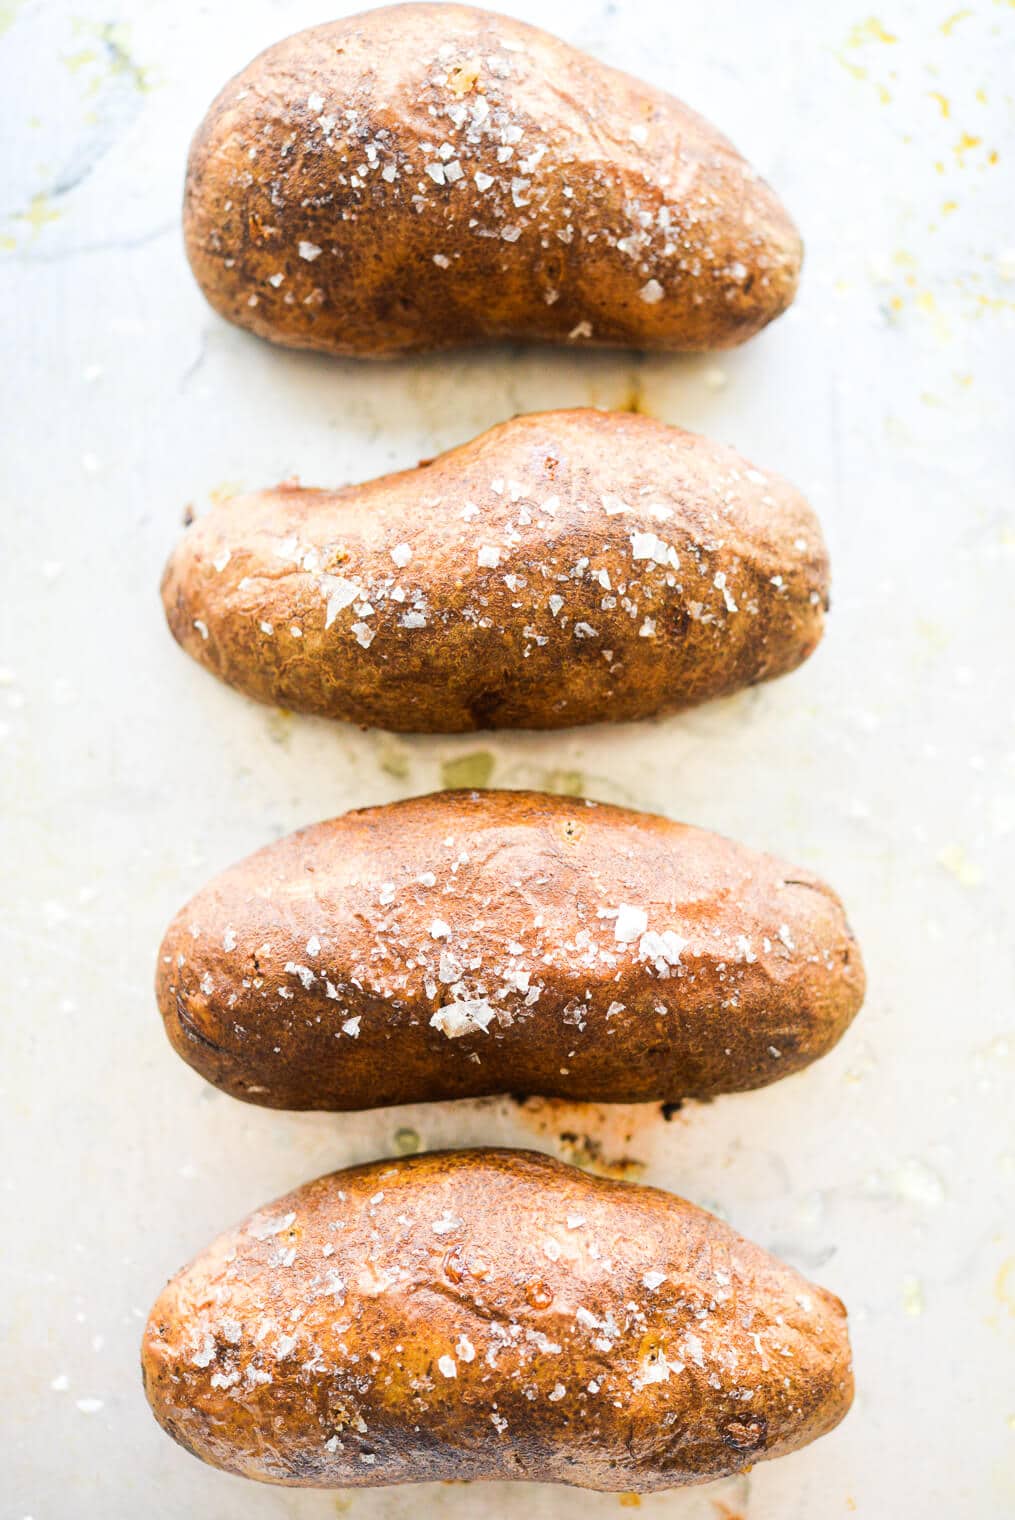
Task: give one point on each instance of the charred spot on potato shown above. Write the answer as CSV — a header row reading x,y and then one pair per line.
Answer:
x,y
538,1295
485,706
452,1265
747,1434
191,1030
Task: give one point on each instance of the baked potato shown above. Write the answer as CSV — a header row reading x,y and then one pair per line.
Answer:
x,y
491,1314
563,568
423,176
470,943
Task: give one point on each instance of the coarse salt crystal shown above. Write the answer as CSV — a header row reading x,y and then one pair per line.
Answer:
x,y
341,594
464,1017
651,546
664,949
631,923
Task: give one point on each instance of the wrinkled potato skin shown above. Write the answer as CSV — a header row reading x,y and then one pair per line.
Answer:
x,y
567,627
320,142
257,1357
260,974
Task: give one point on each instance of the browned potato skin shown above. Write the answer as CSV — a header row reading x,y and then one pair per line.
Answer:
x,y
261,973
260,1356
567,627
555,248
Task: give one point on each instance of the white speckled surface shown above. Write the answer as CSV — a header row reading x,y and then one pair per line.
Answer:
x,y
888,763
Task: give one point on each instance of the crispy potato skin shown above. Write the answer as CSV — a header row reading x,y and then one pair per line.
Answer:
x,y
563,568
486,1314
470,943
425,176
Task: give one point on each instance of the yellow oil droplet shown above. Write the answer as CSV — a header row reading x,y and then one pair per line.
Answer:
x,y
8,14
79,60
871,30
955,860
912,1296
468,771
39,214
852,68
565,783
393,758
944,104
224,490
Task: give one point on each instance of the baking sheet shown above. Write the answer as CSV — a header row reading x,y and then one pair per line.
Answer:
x,y
887,764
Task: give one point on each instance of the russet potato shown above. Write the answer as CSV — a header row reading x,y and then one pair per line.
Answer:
x,y
470,943
423,176
491,1314
563,568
